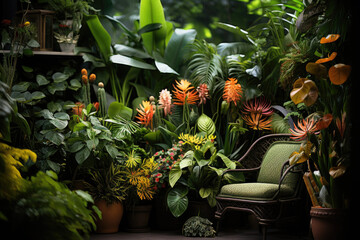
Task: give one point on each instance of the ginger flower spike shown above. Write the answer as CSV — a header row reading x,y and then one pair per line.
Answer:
x,y
184,93
232,91
145,114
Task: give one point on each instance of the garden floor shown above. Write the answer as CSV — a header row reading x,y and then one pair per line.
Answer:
x,y
245,234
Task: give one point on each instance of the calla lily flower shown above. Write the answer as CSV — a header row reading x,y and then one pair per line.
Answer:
x,y
304,90
329,38
328,59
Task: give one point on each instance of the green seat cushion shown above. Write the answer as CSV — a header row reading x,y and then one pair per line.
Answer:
x,y
255,191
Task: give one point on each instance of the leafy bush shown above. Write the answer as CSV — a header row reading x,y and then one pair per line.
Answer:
x,y
47,209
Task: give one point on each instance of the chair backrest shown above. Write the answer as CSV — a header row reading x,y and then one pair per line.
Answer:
x,y
277,154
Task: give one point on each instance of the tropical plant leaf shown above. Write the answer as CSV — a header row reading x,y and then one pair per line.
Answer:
x,y
177,200
124,60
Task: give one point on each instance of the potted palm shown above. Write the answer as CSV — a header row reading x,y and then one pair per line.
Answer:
x,y
108,188
139,168
326,136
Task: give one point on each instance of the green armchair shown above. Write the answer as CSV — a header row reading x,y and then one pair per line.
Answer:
x,y
273,188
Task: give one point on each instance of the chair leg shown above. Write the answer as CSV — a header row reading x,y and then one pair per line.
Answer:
x,y
264,230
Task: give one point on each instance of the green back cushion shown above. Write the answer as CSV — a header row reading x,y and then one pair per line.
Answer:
x,y
273,160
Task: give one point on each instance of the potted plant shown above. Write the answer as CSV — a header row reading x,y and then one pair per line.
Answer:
x,y
69,14
198,174
139,168
108,188
326,135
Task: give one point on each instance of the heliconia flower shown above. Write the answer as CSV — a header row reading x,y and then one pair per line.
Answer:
x,y
329,38
203,93
232,91
258,105
303,128
165,101
184,93
146,113
257,121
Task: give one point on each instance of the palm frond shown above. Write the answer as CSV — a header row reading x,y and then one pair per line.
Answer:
x,y
206,65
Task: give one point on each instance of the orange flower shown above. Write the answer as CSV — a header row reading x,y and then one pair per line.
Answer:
x,y
84,71
184,93
257,121
304,128
146,113
328,59
92,77
258,105
232,91
329,38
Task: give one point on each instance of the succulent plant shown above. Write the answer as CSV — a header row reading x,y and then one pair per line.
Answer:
x,y
198,227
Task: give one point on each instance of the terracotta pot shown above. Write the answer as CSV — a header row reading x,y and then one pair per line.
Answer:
x,y
328,223
111,216
137,218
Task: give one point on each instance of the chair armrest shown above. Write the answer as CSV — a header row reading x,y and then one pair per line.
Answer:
x,y
239,170
291,169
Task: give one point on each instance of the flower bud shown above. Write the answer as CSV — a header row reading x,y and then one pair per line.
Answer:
x,y
101,85
84,71
92,77
84,78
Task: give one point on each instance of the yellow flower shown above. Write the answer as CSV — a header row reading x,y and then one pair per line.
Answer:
x,y
190,139
10,177
27,23
133,159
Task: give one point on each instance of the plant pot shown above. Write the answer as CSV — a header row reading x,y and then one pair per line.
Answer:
x,y
328,223
137,218
111,216
67,47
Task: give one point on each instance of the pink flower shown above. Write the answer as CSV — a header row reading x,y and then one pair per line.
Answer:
x,y
165,101
203,93
171,154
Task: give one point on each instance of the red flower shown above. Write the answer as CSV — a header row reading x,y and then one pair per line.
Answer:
x,y
96,105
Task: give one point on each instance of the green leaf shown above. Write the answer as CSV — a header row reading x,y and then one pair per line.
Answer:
x,y
236,30
177,200
205,192
60,124
37,95
174,176
41,80
75,147
230,164
62,116
177,48
27,69
82,155
74,84
130,52
186,163
54,137
59,77
21,87
151,11
124,60
164,68
84,195
113,152
119,109
102,37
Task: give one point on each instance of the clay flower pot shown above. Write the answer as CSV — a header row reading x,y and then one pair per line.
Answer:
x,y
328,223
111,216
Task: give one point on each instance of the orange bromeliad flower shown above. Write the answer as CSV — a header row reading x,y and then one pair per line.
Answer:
x,y
258,105
257,121
232,91
305,127
146,113
184,93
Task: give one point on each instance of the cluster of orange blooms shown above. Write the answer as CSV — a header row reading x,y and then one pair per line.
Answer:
x,y
85,78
